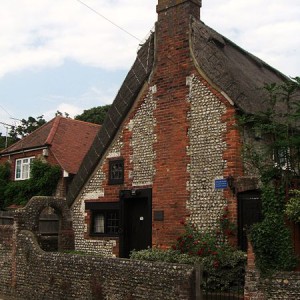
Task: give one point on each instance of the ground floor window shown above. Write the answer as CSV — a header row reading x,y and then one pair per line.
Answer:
x,y
105,218
105,222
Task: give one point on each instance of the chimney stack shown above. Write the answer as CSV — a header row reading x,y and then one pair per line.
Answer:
x,y
193,6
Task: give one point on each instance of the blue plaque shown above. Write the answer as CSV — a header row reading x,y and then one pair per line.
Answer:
x,y
221,184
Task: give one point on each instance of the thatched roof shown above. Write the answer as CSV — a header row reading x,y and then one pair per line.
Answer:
x,y
230,68
133,83
235,71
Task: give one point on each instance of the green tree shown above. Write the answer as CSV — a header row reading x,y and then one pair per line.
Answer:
x,y
4,180
2,141
26,127
276,156
94,115
5,141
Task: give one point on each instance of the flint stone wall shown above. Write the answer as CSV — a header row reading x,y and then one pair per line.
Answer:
x,y
31,273
6,250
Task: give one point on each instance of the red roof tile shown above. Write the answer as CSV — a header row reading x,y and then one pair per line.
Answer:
x,y
68,139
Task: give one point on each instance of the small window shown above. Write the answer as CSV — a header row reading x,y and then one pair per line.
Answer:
x,y
105,222
282,158
22,171
116,171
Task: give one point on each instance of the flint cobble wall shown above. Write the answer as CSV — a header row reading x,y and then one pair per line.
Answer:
x,y
281,285
6,262
43,275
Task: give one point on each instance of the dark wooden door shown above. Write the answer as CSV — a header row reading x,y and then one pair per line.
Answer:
x,y
136,223
249,208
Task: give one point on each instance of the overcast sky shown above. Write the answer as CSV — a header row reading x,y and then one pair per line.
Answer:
x,y
61,55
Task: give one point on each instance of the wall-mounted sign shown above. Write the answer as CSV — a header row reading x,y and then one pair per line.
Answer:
x,y
221,184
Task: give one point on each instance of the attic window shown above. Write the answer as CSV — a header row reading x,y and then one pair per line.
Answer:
x,y
116,171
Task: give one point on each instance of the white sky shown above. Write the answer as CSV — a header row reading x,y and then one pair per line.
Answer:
x,y
60,55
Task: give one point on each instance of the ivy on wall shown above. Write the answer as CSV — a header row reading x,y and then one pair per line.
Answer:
x,y
43,181
275,155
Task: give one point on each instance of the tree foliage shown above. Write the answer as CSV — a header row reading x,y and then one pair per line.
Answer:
x,y
94,115
4,180
26,127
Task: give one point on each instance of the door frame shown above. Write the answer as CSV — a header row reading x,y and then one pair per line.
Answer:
x,y
125,195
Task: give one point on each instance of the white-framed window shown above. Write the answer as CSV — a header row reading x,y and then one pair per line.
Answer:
x,y
22,170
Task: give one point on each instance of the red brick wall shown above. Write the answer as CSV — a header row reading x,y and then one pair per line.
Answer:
x,y
172,67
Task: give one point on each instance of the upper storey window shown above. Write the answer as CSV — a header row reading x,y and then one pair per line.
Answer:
x,y
116,171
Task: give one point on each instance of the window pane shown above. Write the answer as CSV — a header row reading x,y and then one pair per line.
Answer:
x,y
18,169
112,219
25,171
116,172
99,223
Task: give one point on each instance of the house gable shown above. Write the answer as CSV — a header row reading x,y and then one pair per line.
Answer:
x,y
176,136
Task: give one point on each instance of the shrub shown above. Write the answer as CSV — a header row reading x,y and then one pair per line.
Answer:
x,y
292,208
43,182
223,266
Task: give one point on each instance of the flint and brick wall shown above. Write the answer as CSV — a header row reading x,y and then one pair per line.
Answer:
x,y
206,152
179,136
134,143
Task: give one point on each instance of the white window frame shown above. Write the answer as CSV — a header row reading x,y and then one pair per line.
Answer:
x,y
22,168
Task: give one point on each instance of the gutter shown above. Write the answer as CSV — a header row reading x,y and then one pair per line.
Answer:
x,y
23,151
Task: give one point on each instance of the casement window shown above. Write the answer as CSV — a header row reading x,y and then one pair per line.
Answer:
x,y
22,169
116,171
105,218
105,222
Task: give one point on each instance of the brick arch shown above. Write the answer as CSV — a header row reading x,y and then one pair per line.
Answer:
x,y
27,218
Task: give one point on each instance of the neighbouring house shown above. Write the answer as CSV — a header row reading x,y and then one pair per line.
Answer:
x,y
61,141
170,148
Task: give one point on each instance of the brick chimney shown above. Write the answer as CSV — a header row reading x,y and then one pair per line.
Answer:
x,y
173,64
192,7
172,29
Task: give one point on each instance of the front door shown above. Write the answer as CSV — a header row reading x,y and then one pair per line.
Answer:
x,y
136,221
249,207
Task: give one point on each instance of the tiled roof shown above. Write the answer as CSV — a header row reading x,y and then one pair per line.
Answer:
x,y
34,140
68,139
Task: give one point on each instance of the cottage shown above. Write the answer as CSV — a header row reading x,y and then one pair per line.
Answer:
x,y
61,141
169,149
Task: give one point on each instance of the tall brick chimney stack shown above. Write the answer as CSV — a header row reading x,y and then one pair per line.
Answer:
x,y
173,28
173,64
